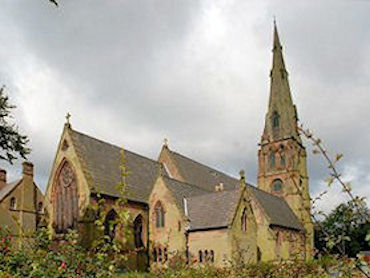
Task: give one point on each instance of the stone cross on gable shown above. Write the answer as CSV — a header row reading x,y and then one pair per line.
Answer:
x,y
68,116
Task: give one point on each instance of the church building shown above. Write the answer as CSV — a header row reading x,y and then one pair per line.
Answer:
x,y
181,208
21,203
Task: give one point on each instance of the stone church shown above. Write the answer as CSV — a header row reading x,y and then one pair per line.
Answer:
x,y
181,207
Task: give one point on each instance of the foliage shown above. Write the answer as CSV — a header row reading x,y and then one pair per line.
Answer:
x,y
38,255
346,230
323,267
12,142
114,249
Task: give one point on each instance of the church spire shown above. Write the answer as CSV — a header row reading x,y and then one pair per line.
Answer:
x,y
281,118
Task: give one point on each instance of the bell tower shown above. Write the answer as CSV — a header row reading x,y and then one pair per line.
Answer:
x,y
282,169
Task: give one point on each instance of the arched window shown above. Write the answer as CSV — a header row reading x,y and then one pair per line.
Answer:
x,y
159,255
272,161
39,207
200,256
212,256
65,199
275,119
155,255
110,224
12,204
282,156
244,220
138,231
165,254
159,215
277,185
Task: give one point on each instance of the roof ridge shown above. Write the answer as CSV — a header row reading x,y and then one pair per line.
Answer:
x,y
115,146
213,169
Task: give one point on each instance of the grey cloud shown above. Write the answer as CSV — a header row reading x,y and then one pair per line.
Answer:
x,y
194,71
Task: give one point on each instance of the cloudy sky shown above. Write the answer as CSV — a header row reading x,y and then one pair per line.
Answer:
x,y
196,72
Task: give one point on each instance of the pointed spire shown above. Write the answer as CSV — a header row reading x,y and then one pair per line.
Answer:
x,y
281,118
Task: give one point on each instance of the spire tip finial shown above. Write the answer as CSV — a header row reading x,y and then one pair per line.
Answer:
x,y
165,142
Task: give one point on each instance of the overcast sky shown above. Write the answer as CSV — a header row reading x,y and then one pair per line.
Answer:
x,y
196,72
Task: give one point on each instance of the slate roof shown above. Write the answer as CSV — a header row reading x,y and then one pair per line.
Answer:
x,y
207,209
205,216
102,162
212,210
182,190
203,176
277,210
9,187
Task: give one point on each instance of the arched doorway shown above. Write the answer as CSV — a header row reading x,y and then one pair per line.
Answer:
x,y
64,199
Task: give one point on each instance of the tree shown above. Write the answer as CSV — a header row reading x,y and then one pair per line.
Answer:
x,y
12,143
347,230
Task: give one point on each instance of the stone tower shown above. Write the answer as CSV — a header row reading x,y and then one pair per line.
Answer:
x,y
282,167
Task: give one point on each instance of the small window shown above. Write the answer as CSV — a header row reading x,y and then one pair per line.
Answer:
x,y
165,254
206,258
160,255
39,207
12,203
275,120
200,256
212,256
179,226
272,160
244,220
155,255
277,185
159,215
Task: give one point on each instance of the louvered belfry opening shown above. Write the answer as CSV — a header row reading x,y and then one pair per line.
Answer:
x,y
65,199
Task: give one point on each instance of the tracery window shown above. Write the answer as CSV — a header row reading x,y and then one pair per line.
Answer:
x,y
159,215
65,199
244,220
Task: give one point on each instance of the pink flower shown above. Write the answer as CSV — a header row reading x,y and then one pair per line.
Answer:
x,y
63,264
3,239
